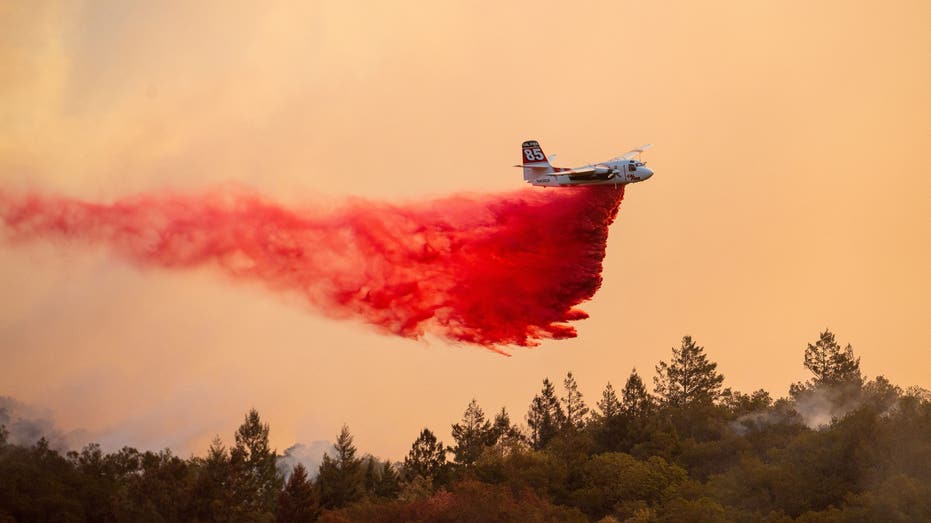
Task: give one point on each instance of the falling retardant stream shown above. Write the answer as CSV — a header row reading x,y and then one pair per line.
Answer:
x,y
492,270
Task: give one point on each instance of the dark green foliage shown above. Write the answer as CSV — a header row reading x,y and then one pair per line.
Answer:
x,y
426,459
831,364
837,449
503,433
254,482
298,502
573,404
545,416
608,406
636,402
340,480
615,479
689,378
472,435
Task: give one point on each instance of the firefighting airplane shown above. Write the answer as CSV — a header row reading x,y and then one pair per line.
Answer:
x,y
620,170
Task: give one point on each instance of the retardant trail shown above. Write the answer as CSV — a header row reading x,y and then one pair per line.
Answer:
x,y
492,270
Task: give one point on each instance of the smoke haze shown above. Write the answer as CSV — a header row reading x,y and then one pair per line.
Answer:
x,y
491,270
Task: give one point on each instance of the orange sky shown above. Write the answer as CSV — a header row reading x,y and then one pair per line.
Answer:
x,y
792,193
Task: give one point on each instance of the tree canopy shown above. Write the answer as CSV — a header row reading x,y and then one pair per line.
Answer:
x,y
836,448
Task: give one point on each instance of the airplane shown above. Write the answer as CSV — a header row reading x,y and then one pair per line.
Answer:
x,y
619,170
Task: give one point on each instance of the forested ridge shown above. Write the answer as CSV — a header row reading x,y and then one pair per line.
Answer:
x,y
838,447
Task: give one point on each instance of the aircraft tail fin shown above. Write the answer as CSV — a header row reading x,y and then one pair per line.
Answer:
x,y
534,161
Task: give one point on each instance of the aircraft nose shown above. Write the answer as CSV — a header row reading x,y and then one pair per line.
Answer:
x,y
645,173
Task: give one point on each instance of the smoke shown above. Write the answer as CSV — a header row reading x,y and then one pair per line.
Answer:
x,y
311,456
26,424
490,270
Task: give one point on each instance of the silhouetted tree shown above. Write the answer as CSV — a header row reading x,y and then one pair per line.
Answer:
x,y
688,378
609,426
298,502
574,406
608,406
427,458
502,431
340,480
545,416
255,481
636,401
212,499
831,364
471,434
388,484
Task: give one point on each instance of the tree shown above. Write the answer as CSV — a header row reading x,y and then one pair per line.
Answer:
x,y
545,416
340,480
609,404
212,493
575,408
388,484
298,502
636,401
427,457
255,481
472,434
610,426
688,378
502,431
831,364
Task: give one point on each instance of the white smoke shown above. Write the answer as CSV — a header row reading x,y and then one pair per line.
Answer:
x,y
308,455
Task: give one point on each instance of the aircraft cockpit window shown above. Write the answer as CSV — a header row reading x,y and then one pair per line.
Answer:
x,y
631,167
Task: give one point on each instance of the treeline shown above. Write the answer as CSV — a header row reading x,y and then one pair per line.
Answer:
x,y
839,447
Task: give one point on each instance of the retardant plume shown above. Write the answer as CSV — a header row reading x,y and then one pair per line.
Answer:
x,y
491,270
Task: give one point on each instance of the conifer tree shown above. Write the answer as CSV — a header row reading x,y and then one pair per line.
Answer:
x,y
298,502
636,402
340,480
502,431
575,408
212,490
545,416
255,481
608,406
471,434
427,457
389,482
688,378
831,364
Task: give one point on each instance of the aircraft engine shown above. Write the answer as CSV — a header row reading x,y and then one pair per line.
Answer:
x,y
604,173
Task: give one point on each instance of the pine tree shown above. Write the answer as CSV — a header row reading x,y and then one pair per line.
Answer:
x,y
471,434
298,502
389,482
370,476
688,378
255,478
609,406
831,364
636,402
545,416
502,431
575,408
340,480
427,457
213,496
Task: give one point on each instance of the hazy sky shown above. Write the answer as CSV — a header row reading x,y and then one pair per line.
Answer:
x,y
792,193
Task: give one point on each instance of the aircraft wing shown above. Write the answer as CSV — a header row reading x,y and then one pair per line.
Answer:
x,y
581,171
634,152
541,167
